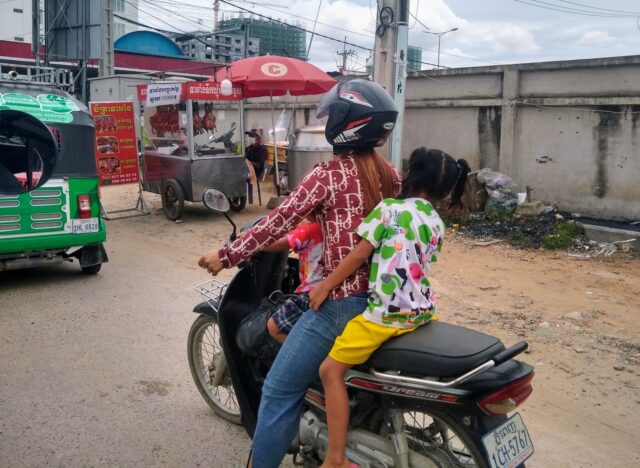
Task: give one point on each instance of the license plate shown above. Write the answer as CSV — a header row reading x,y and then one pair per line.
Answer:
x,y
84,226
509,444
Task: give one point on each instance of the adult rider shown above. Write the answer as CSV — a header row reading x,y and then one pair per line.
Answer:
x,y
360,116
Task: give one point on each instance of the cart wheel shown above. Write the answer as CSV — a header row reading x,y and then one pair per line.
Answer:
x,y
238,203
172,199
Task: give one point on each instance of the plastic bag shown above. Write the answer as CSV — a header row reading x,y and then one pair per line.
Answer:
x,y
503,197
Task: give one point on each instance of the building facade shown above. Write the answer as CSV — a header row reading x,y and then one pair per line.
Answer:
x,y
127,9
275,38
16,19
216,47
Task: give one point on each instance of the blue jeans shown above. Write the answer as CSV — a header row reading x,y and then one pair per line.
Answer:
x,y
293,372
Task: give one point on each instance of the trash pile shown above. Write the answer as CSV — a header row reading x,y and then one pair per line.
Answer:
x,y
549,230
500,214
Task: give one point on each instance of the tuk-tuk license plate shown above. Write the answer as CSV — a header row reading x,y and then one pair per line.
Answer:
x,y
84,226
509,444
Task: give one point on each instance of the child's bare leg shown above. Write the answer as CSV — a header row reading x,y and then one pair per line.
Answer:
x,y
275,332
337,400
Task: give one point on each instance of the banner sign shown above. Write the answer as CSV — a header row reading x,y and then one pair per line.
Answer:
x,y
161,94
115,146
210,91
196,90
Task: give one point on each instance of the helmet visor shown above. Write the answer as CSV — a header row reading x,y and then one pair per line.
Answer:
x,y
327,100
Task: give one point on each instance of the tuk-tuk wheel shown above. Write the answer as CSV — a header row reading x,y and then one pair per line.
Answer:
x,y
172,199
92,269
238,203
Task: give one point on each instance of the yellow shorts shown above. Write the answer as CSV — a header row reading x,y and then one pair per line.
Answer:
x,y
360,338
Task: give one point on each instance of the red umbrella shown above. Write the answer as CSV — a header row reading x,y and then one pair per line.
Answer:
x,y
271,75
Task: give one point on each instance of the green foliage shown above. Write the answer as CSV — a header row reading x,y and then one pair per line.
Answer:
x,y
518,239
499,216
562,237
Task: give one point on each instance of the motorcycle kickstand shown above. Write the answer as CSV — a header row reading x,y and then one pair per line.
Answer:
x,y
395,425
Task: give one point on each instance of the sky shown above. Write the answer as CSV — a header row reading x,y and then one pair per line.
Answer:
x,y
489,31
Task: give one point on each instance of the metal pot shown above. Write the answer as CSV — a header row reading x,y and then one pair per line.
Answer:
x,y
309,148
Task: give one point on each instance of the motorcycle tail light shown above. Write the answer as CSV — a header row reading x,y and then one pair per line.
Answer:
x,y
84,206
507,399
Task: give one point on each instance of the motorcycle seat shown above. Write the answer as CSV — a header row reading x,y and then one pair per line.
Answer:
x,y
436,349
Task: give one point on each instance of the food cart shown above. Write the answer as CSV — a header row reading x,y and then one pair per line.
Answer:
x,y
192,141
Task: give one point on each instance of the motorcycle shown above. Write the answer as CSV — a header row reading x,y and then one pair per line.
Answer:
x,y
437,397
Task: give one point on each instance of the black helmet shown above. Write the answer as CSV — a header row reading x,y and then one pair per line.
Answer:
x,y
361,114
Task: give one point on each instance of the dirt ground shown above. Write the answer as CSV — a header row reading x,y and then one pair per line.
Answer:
x,y
580,318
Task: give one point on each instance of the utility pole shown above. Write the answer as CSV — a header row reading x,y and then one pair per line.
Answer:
x,y
35,31
390,63
345,53
107,63
216,12
245,28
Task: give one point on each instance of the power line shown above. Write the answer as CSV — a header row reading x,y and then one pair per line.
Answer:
x,y
212,44
297,27
634,13
574,11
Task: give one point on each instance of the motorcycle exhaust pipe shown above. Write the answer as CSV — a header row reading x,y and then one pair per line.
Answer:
x,y
364,448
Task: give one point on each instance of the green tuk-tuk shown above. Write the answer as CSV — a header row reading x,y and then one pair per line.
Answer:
x,y
49,206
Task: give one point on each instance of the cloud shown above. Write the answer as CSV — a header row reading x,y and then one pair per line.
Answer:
x,y
595,38
510,38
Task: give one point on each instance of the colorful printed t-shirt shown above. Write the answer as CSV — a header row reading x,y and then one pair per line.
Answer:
x,y
407,235
306,241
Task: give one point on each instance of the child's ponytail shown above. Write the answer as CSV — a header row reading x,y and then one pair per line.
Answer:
x,y
458,189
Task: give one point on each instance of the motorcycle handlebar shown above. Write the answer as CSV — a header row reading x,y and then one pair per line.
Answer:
x,y
509,353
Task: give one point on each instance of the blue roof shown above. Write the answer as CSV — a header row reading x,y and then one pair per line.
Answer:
x,y
149,43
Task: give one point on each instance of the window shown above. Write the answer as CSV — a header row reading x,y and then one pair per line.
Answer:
x,y
238,50
118,6
237,41
118,30
17,10
19,39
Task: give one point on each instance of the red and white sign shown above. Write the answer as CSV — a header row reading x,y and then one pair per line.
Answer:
x,y
196,90
210,91
115,146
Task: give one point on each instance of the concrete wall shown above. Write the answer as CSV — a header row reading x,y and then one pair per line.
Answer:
x,y
570,130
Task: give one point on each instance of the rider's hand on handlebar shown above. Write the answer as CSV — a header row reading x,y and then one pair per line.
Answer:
x,y
318,295
211,261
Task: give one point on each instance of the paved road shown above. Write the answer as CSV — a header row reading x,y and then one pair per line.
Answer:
x,y
94,369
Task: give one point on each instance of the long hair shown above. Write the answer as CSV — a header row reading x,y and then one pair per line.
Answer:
x,y
375,176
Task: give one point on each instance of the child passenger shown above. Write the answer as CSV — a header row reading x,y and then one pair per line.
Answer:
x,y
306,241
405,236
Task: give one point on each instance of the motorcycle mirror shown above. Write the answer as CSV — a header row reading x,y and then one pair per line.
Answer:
x,y
216,201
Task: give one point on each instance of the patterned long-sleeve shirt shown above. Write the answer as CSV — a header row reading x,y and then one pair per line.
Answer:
x,y
332,192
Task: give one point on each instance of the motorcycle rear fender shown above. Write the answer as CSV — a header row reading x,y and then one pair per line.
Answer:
x,y
205,308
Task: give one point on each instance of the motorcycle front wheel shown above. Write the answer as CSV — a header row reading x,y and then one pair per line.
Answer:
x,y
443,440
209,370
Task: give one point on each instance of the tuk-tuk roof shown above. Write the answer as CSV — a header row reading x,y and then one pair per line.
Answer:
x,y
45,102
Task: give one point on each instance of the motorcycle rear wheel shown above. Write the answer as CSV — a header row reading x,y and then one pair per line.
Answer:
x,y
443,440
205,353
